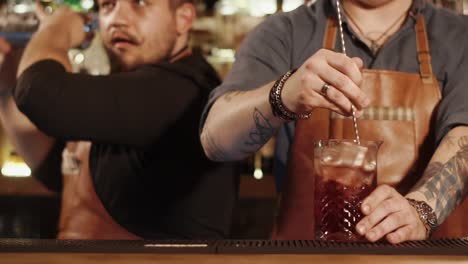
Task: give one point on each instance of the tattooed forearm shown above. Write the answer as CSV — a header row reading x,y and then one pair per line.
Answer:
x,y
212,149
447,183
261,134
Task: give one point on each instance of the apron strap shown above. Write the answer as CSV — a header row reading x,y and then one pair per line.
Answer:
x,y
330,34
422,44
181,54
424,56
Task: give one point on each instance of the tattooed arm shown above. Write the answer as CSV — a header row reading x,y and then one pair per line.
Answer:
x,y
239,123
443,187
445,181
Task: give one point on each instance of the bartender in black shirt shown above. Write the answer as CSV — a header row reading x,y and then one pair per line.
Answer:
x,y
123,148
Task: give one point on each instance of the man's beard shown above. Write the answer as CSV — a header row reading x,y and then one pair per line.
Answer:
x,y
116,64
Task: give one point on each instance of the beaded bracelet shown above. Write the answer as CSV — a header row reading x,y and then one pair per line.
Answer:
x,y
277,106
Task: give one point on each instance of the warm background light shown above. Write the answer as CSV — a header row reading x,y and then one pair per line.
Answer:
x,y
14,166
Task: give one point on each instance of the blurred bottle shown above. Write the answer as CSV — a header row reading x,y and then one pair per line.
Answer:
x,y
82,6
20,6
18,20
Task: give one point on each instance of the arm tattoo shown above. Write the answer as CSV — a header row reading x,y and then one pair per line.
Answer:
x,y
447,183
216,153
228,97
261,134
449,141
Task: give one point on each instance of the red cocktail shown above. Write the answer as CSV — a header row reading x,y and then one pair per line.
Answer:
x,y
345,174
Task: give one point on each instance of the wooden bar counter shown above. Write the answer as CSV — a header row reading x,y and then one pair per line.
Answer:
x,y
14,251
49,258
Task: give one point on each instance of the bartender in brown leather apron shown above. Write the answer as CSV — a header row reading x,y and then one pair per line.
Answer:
x,y
142,120
82,214
410,47
400,112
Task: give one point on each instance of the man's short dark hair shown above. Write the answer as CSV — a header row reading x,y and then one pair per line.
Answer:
x,y
176,3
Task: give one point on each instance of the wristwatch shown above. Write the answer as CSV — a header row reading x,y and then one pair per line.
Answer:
x,y
426,214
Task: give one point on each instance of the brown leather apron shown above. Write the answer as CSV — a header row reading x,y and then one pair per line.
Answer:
x,y
83,215
400,114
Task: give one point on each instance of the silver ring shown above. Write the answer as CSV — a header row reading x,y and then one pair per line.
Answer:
x,y
324,89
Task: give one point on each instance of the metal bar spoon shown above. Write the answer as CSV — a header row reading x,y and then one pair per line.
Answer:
x,y
343,47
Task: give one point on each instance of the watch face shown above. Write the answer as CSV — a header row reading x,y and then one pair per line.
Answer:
x,y
432,221
429,214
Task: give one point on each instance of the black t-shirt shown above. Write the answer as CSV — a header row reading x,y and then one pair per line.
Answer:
x,y
146,160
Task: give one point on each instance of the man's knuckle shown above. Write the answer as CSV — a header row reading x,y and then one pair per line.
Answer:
x,y
349,66
373,219
396,237
401,235
378,231
309,65
333,95
357,76
359,97
304,79
341,82
320,54
312,102
400,218
388,205
385,189
323,51
344,103
341,59
405,234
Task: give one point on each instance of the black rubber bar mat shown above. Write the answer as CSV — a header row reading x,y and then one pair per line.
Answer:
x,y
107,246
456,247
